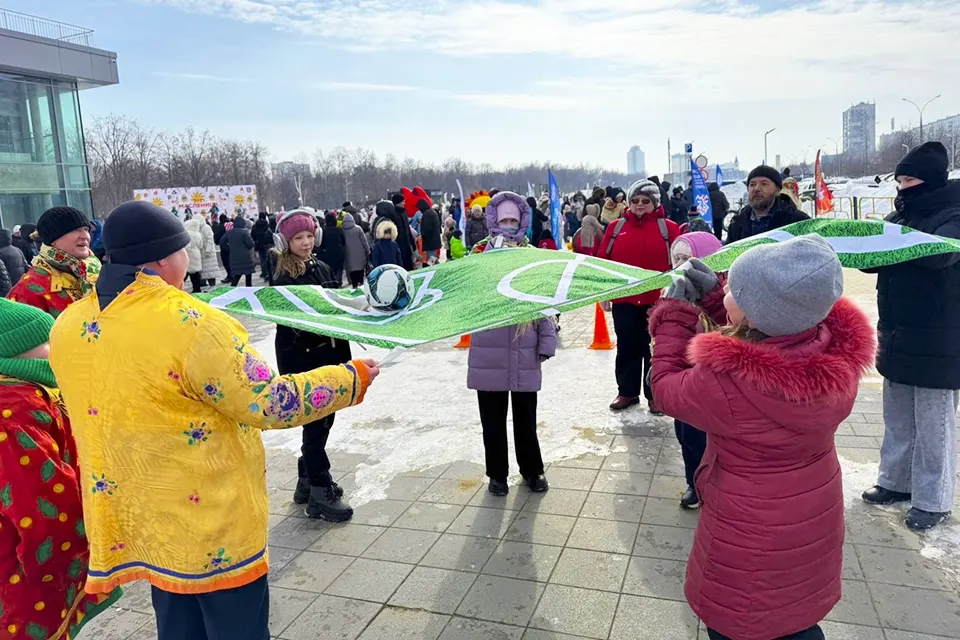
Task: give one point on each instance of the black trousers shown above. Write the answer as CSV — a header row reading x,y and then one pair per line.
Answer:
x,y
197,282
232,614
225,258
813,633
493,417
356,278
265,266
314,463
633,348
247,278
693,443
211,281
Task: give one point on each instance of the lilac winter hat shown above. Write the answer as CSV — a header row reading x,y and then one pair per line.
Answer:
x,y
508,210
296,221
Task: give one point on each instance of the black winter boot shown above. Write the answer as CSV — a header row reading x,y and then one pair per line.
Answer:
x,y
690,499
878,495
538,483
920,520
325,504
498,487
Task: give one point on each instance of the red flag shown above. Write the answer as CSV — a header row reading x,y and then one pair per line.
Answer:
x,y
824,198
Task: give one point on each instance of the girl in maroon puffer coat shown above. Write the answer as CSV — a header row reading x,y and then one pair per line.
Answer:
x,y
770,389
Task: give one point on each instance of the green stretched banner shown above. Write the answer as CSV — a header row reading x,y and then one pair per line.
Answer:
x,y
510,286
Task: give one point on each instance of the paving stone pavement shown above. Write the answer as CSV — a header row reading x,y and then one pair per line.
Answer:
x,y
601,555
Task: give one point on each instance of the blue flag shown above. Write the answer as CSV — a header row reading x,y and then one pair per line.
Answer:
x,y
555,206
719,176
701,196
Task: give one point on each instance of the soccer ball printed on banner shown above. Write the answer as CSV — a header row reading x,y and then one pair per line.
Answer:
x,y
389,288
232,200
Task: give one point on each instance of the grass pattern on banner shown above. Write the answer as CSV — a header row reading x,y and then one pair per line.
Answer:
x,y
512,286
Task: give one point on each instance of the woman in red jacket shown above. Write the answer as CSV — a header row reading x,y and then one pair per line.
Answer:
x,y
770,389
641,238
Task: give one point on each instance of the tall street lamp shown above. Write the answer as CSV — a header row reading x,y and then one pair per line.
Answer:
x,y
765,144
921,110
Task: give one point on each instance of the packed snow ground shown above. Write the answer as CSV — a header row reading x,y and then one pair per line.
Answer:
x,y
420,415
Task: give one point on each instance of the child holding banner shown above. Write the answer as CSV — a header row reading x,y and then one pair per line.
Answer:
x,y
300,351
770,390
504,365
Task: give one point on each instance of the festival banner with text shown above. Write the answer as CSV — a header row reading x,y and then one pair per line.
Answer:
x,y
229,200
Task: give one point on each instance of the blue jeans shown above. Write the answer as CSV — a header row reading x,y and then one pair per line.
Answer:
x,y
919,452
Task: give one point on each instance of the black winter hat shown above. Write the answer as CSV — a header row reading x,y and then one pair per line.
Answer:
x,y
764,171
57,222
422,205
928,162
396,199
138,232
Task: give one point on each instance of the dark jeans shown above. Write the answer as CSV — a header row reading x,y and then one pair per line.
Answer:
x,y
813,633
247,278
633,348
693,443
314,463
211,281
356,278
225,258
493,417
265,266
232,614
197,282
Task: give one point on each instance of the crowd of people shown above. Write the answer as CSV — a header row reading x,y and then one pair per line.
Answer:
x,y
140,475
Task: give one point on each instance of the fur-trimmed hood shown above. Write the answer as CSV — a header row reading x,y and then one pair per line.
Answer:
x,y
384,226
494,228
816,367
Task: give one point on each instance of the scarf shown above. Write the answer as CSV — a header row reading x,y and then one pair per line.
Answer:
x,y
66,263
29,370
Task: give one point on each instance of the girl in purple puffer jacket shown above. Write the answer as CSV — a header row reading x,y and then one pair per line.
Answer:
x,y
504,364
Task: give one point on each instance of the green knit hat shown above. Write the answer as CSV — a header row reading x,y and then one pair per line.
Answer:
x,y
22,328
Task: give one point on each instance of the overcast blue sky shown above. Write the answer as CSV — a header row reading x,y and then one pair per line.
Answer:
x,y
506,81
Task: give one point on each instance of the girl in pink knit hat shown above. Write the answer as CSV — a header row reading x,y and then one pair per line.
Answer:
x,y
300,351
693,442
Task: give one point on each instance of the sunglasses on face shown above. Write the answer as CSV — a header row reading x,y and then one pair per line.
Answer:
x,y
640,201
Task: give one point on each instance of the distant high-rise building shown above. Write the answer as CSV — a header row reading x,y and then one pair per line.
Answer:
x,y
281,169
860,130
636,161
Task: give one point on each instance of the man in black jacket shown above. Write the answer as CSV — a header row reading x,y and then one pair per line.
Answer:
x,y
262,243
918,353
720,206
430,232
404,233
768,209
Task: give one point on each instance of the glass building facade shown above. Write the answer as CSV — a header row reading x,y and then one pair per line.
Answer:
x,y
42,156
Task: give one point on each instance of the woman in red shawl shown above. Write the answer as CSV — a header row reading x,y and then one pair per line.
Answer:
x,y
43,545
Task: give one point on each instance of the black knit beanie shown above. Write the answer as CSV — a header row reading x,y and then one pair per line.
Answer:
x,y
136,233
928,162
764,171
57,222
396,199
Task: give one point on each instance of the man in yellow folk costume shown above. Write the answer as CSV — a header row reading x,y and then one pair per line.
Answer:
x,y
167,399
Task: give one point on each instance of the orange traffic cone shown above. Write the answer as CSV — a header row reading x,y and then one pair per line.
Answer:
x,y
601,335
464,342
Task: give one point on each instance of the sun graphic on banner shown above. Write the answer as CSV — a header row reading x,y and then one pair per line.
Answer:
x,y
158,202
197,197
239,199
